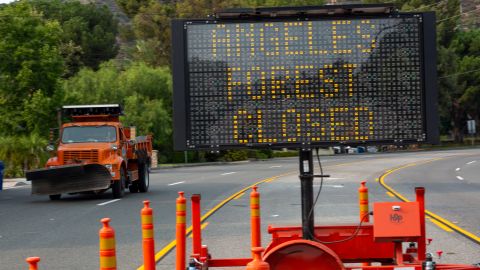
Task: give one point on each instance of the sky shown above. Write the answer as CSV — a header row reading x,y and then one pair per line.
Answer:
x,y
5,1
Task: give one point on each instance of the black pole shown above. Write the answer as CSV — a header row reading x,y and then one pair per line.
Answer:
x,y
306,180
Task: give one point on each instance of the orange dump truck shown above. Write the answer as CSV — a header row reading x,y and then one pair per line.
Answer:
x,y
95,152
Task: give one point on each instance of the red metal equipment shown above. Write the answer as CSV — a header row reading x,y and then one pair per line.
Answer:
x,y
196,224
422,246
302,254
337,246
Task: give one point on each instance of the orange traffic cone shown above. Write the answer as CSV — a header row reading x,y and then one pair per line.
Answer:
x,y
33,261
257,263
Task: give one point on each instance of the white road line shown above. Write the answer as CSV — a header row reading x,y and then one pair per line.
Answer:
x,y
227,173
176,183
334,178
459,177
276,166
457,169
14,187
107,202
334,186
471,162
274,215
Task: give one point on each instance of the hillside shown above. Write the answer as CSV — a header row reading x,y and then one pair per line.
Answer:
x,y
112,5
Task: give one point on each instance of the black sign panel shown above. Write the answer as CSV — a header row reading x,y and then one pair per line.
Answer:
x,y
303,82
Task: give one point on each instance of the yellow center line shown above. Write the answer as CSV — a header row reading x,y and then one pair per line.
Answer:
x,y
239,196
439,224
271,179
432,215
390,194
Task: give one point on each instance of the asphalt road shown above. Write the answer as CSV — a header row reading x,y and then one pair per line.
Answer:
x,y
65,233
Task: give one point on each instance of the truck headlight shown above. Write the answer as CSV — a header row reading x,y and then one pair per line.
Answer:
x,y
109,167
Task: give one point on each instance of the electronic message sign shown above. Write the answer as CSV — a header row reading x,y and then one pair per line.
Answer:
x,y
303,82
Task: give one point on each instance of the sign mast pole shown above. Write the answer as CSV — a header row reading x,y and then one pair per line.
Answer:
x,y
306,182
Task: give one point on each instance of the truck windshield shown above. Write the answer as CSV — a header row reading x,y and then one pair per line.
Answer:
x,y
80,134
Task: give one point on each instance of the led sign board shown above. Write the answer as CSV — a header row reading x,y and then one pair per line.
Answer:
x,y
304,82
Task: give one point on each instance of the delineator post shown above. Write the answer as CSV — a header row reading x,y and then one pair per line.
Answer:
x,y
181,230
148,236
33,263
363,202
255,217
257,263
108,259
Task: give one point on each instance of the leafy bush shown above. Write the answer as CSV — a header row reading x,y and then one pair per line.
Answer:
x,y
235,155
22,153
285,153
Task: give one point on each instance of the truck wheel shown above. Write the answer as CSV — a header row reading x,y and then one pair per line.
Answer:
x,y
55,197
143,178
118,186
133,187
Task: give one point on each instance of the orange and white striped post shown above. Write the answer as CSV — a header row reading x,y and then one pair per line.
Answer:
x,y
363,202
33,263
108,259
255,218
181,230
147,234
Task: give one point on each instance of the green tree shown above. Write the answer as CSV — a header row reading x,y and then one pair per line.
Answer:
x,y
150,117
22,153
131,7
89,32
152,30
30,62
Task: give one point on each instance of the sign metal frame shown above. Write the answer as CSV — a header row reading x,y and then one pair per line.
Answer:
x,y
181,94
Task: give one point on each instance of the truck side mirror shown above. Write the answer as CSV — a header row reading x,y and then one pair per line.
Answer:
x,y
50,148
53,135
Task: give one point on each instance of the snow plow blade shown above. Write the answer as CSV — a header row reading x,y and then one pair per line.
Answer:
x,y
69,179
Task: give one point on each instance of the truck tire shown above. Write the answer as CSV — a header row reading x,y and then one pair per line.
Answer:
x,y
133,187
55,197
143,178
118,186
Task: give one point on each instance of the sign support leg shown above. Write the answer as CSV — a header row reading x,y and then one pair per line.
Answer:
x,y
306,180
